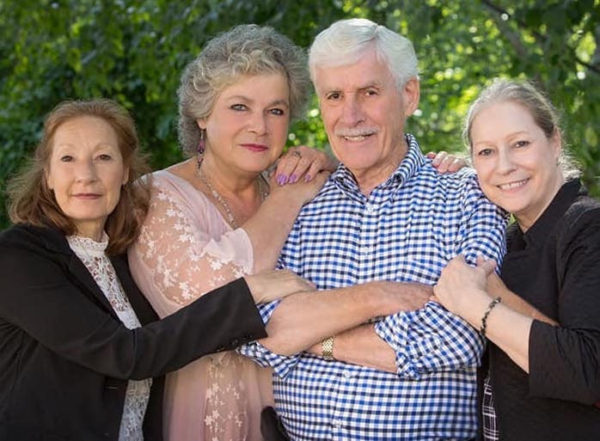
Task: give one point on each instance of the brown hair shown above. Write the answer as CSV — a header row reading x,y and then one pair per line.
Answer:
x,y
31,201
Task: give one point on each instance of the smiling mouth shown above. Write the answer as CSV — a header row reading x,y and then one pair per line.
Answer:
x,y
356,138
513,185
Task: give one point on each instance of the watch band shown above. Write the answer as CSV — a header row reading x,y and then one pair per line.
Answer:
x,y
327,348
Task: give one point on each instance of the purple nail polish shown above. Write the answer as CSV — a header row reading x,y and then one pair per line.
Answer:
x,y
306,178
293,179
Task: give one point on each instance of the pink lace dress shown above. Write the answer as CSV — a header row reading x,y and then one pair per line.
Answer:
x,y
185,250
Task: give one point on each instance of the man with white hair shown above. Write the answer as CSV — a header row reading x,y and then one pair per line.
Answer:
x,y
384,214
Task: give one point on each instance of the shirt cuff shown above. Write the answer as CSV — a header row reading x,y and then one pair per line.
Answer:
x,y
281,364
430,340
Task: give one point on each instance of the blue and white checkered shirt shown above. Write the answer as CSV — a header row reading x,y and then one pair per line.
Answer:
x,y
406,230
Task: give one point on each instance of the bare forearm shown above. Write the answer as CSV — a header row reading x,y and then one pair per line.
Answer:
x,y
269,228
507,328
362,346
305,319
497,289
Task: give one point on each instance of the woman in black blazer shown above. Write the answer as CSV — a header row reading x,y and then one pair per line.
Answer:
x,y
79,343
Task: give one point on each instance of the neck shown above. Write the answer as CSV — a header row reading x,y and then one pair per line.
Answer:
x,y
527,220
369,178
226,181
91,231
238,198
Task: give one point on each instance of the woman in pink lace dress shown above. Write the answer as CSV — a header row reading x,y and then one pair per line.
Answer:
x,y
215,217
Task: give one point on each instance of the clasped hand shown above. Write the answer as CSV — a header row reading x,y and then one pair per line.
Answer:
x,y
460,284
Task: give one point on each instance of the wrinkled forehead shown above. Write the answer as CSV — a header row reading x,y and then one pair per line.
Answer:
x,y
366,71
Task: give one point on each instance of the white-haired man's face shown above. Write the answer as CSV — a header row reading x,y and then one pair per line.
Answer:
x,y
364,113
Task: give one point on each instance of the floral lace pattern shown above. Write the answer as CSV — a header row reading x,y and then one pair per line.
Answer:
x,y
92,254
185,249
186,261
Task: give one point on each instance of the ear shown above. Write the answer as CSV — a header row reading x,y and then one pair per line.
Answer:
x,y
556,143
201,123
48,178
411,93
125,176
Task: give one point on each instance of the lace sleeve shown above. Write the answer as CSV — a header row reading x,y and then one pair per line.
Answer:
x,y
185,250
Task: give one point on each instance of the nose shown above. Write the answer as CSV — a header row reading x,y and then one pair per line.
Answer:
x,y
351,111
505,163
86,171
258,123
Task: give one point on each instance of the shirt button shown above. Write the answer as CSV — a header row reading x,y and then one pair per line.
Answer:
x,y
370,209
337,423
348,374
366,250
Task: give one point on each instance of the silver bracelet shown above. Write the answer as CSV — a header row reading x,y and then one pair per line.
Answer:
x,y
491,306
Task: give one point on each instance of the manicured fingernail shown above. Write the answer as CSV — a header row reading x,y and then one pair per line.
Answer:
x,y
293,179
307,178
282,179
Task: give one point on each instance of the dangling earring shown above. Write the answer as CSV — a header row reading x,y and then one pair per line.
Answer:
x,y
201,147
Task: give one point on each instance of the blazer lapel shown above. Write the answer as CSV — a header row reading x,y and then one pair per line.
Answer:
x,y
83,278
57,244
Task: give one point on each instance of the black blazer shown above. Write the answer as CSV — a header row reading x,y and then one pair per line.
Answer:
x,y
65,358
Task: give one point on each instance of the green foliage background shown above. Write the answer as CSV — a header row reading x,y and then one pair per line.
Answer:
x,y
135,51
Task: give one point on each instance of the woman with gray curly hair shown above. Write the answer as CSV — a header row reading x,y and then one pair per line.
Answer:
x,y
218,216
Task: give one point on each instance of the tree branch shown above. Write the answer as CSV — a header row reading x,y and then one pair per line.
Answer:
x,y
515,41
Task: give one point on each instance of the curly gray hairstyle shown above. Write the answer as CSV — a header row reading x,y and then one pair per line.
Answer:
x,y
539,106
244,50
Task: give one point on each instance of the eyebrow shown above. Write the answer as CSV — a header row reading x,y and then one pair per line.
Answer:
x,y
98,145
272,103
374,84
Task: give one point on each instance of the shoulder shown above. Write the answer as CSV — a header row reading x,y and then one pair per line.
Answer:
x,y
461,186
465,177
330,195
164,180
24,235
26,249
581,222
173,192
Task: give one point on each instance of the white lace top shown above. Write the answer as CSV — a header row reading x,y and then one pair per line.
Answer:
x,y
92,254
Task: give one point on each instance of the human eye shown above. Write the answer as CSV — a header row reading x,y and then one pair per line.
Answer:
x,y
66,158
105,157
371,92
238,107
277,111
333,96
485,152
522,143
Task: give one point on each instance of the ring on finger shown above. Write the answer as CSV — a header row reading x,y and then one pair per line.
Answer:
x,y
296,153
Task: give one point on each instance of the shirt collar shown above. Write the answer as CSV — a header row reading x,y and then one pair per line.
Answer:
x,y
410,165
538,233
